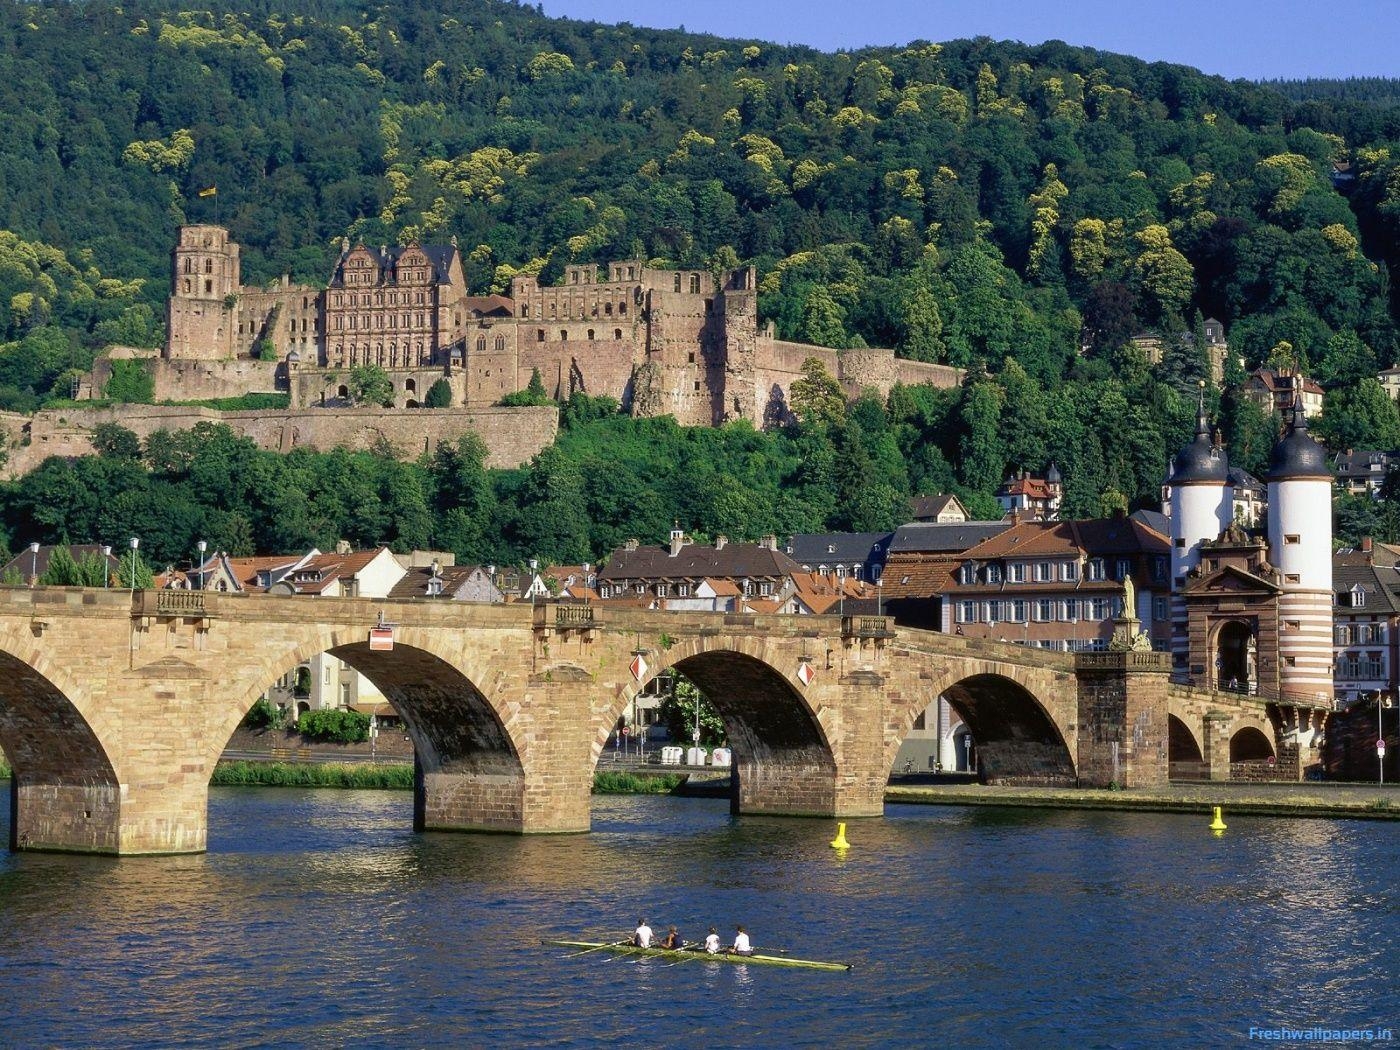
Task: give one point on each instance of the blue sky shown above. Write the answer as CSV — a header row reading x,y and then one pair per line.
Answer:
x,y
1258,39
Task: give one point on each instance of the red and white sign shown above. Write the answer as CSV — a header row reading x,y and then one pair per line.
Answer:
x,y
805,674
638,667
1380,748
381,639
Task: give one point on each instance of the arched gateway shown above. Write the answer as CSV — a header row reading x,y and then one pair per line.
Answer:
x,y
114,707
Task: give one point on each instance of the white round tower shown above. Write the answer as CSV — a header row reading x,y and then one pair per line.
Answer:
x,y
1300,547
1201,507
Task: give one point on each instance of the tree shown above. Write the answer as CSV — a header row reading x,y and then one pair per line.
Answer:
x,y
116,441
371,385
817,398
133,572
439,395
678,710
533,394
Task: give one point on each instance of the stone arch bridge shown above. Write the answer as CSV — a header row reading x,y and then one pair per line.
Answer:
x,y
115,706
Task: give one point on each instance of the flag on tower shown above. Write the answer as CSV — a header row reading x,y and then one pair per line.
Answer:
x,y
209,192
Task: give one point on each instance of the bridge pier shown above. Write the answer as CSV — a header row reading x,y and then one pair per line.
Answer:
x,y
1217,744
1123,718
118,819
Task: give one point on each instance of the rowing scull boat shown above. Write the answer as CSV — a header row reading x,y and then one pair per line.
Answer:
x,y
700,955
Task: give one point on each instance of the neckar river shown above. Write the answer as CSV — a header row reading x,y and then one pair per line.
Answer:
x,y
318,919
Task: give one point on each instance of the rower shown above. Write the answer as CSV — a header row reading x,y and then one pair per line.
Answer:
x,y
741,942
641,937
712,941
672,940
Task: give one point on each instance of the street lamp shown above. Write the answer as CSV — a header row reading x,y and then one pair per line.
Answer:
x,y
34,563
135,543
534,566
1382,702
107,566
201,546
879,595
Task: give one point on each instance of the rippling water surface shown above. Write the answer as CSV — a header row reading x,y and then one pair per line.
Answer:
x,y
319,919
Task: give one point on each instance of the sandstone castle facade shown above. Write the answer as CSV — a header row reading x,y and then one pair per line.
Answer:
x,y
681,342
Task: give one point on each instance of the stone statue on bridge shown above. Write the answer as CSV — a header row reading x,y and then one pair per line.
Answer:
x,y
1127,630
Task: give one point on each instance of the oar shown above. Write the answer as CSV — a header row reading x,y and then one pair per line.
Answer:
x,y
693,951
596,948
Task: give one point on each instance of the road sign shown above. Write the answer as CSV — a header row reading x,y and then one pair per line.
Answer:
x,y
638,667
1380,748
805,674
381,639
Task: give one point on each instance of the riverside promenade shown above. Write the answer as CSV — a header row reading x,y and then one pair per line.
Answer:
x,y
1365,801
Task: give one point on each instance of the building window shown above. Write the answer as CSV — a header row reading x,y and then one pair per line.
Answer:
x,y
1016,572
1291,577
967,574
500,343
617,333
1042,572
1044,610
1069,570
967,612
1159,609
683,590
1018,610
993,573
1122,568
677,283
1292,538
695,284
539,335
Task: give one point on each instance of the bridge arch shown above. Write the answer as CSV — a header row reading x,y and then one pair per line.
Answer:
x,y
470,769
1249,743
1185,753
783,761
1011,716
65,791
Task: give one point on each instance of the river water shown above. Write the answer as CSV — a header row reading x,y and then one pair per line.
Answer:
x,y
318,919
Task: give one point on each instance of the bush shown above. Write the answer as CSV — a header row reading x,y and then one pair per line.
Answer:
x,y
131,382
357,775
337,727
263,715
439,395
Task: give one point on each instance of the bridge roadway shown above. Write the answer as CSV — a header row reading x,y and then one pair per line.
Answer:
x,y
115,706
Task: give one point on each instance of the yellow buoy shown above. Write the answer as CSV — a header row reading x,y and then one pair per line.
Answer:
x,y
1217,824
839,842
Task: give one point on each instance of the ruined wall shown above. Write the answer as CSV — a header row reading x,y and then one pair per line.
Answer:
x,y
512,435
206,380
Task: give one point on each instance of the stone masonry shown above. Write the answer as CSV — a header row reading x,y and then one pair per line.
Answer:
x,y
115,707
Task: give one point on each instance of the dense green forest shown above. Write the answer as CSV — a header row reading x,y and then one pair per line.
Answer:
x,y
1017,211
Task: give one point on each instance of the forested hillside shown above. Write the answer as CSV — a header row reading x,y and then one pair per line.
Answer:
x,y
1017,211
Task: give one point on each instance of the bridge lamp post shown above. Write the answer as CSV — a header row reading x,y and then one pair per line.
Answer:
x,y
34,564
534,566
135,543
1382,702
201,547
107,566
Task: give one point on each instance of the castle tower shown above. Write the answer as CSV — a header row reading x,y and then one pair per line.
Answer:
x,y
1300,546
204,275
1201,503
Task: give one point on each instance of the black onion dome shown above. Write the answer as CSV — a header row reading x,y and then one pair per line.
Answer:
x,y
1297,455
1200,462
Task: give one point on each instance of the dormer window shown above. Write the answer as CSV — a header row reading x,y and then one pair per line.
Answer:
x,y
993,573
968,574
1358,597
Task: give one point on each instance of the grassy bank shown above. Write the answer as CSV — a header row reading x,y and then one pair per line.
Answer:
x,y
390,777
308,774
4,770
631,784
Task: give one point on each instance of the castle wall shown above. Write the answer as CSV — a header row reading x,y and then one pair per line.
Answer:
x,y
322,388
287,314
196,380
512,435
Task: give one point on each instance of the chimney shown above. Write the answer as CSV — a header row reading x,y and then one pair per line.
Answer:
x,y
720,541
1365,544
769,542
677,540
630,545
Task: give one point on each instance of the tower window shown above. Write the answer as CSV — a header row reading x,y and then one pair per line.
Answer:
x,y
1292,539
1291,577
